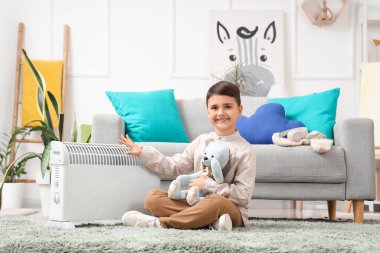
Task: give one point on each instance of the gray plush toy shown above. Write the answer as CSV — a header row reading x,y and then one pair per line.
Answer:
x,y
215,159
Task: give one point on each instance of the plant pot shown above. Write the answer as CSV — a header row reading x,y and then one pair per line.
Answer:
x,y
44,186
12,195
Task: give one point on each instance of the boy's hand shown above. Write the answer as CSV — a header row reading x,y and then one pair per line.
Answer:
x,y
199,182
136,149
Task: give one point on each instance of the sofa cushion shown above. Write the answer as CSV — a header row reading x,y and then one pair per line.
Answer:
x,y
267,120
194,117
317,111
168,149
195,110
149,116
251,104
299,165
283,164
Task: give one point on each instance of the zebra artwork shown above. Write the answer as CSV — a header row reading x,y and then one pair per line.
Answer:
x,y
250,48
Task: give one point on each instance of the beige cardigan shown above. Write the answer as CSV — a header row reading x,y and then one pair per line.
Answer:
x,y
239,174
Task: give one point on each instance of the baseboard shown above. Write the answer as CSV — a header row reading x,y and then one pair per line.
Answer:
x,y
269,204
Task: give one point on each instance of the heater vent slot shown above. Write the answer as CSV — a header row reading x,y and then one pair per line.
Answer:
x,y
100,154
56,173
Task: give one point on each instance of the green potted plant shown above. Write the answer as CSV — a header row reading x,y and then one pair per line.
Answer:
x,y
48,132
235,75
11,190
248,82
45,126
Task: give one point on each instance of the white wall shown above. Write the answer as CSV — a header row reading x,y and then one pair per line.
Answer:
x,y
137,45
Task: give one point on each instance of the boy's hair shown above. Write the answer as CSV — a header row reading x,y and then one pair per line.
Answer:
x,y
224,88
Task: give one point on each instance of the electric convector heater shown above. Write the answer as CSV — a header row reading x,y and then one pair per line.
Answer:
x,y
96,182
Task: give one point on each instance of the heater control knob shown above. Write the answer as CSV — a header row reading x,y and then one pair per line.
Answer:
x,y
56,198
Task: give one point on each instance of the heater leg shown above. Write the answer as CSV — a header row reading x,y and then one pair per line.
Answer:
x,y
60,224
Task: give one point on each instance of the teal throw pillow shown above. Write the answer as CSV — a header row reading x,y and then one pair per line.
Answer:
x,y
317,111
150,116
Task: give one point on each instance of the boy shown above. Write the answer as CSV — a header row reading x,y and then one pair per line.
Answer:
x,y
226,205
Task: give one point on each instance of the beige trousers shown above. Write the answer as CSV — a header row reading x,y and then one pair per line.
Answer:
x,y
178,214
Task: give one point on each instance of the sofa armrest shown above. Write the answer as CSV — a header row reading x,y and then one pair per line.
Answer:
x,y
107,128
356,136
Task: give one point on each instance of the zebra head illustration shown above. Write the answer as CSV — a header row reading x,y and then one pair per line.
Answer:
x,y
251,57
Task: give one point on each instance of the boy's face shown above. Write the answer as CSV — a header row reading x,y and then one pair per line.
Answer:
x,y
223,112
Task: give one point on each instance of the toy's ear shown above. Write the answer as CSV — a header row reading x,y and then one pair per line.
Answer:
x,y
285,142
217,170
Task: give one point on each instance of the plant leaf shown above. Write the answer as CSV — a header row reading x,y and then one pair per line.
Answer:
x,y
18,131
35,72
74,131
10,167
47,134
36,120
41,84
19,168
54,102
48,116
88,139
6,147
45,159
40,101
60,126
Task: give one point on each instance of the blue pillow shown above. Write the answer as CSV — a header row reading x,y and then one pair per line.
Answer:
x,y
317,111
267,120
150,116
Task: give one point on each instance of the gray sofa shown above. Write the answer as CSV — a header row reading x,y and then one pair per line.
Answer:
x,y
346,172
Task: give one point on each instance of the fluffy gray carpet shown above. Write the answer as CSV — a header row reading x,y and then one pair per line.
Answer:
x,y
29,234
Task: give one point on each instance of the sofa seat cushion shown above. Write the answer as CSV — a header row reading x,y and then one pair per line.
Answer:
x,y
283,164
194,117
299,165
168,149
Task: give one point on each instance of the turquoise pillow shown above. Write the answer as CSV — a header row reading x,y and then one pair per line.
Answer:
x,y
150,116
317,111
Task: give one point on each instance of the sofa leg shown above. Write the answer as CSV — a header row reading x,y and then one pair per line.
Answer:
x,y
331,205
358,211
347,206
295,204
